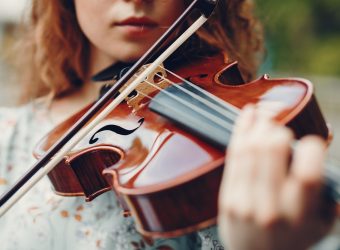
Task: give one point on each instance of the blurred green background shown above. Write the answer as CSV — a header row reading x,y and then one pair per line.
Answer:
x,y
302,36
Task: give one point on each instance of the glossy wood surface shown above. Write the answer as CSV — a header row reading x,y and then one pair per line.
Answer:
x,y
167,178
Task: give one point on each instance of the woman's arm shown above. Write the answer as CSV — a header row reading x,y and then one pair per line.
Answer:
x,y
270,197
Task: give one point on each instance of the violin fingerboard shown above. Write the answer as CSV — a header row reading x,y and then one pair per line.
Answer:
x,y
191,114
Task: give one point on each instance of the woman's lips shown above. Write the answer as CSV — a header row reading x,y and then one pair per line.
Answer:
x,y
136,25
138,21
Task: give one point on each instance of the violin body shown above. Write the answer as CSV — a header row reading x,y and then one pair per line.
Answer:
x,y
166,177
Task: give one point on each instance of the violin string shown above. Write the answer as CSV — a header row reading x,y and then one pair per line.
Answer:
x,y
231,111
199,110
227,126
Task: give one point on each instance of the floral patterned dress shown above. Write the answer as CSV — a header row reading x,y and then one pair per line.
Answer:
x,y
43,220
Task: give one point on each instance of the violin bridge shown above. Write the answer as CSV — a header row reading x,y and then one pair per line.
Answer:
x,y
153,83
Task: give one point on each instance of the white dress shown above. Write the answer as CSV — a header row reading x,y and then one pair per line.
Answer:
x,y
43,220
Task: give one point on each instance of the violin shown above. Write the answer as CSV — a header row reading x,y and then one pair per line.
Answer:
x,y
164,157
160,143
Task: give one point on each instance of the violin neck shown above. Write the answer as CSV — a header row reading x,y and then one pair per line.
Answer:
x,y
195,116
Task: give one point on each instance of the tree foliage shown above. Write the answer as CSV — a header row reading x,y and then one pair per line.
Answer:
x,y
302,36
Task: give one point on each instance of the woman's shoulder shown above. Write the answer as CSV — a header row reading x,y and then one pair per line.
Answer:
x,y
22,121
10,116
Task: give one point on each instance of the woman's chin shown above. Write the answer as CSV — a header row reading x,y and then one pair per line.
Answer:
x,y
131,57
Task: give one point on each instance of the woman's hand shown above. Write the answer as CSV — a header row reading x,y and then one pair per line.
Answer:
x,y
270,197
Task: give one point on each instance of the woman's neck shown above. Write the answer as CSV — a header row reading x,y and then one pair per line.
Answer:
x,y
64,106
61,108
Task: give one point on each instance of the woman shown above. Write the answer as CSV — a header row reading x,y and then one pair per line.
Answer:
x,y
66,43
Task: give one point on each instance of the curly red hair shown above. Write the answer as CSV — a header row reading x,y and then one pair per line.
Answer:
x,y
55,52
